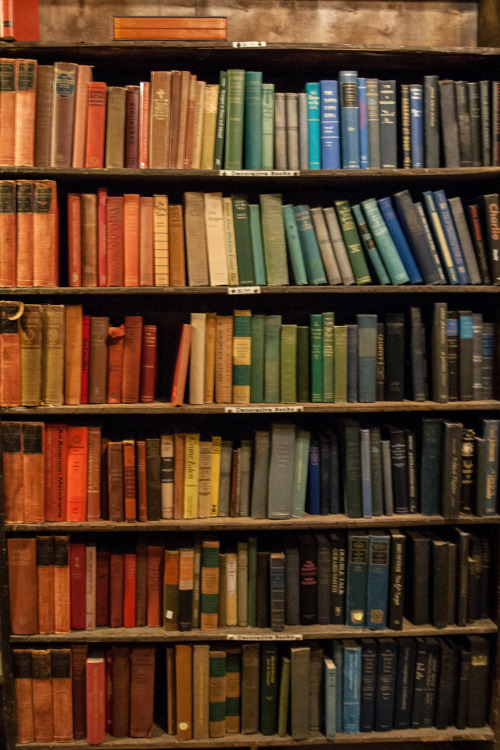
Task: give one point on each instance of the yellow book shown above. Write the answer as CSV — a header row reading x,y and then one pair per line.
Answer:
x,y
191,475
205,479
215,475
209,126
160,240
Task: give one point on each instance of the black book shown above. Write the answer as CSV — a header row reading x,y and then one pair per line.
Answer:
x,y
417,577
324,463
324,577
386,684
380,363
418,239
388,125
485,577
477,712
431,682
335,501
464,668
461,540
262,591
451,595
452,338
495,124
490,211
464,129
394,357
308,580
185,595
449,123
405,683
368,684
484,105
268,688
475,565
446,684
431,122
466,346
351,469
475,122
417,353
419,683
411,453
396,580
478,240
399,461
439,558
451,473
153,471
338,577
376,472
467,483
292,581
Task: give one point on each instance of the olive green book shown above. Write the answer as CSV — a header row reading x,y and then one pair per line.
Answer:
x,y
217,694
352,242
235,107
268,126
288,364
303,365
272,360
316,334
268,688
284,696
258,333
273,235
242,355
340,358
243,239
328,357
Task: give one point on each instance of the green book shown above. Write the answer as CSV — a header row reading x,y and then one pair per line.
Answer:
x,y
217,694
257,245
299,691
303,365
328,357
288,364
252,582
352,242
302,443
235,108
220,123
316,334
233,689
273,233
242,355
369,245
272,360
253,120
309,244
284,696
340,359
257,364
241,218
260,479
294,246
209,596
268,688
384,242
268,126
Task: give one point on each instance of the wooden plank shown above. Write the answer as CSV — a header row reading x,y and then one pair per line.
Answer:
x,y
488,22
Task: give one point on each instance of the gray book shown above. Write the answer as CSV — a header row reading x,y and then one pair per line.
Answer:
x,y
280,158
352,364
449,123
115,127
339,247
465,239
292,577
226,455
292,130
387,477
245,466
260,474
315,675
281,471
303,131
299,688
302,443
373,122
326,247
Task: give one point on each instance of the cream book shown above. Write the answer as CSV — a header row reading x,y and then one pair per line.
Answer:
x,y
197,359
216,245
209,126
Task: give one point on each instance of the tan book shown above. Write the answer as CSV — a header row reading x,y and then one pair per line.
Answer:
x,y
199,109
160,240
159,118
191,474
146,243
45,234
177,261
216,241
94,473
53,355
215,475
224,359
188,153
197,359
196,244
43,114
183,117
167,475
205,479
89,238
230,240
175,111
31,355
131,238
228,603
209,126
242,583
63,114
115,127
201,667
98,359
210,358
73,354
80,127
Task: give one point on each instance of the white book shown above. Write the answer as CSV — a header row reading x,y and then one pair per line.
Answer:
x,y
216,242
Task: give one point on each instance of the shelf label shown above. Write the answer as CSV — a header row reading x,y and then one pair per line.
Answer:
x,y
243,290
265,637
248,44
259,172
263,409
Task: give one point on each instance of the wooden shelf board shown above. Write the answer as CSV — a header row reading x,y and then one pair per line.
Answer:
x,y
291,632
249,524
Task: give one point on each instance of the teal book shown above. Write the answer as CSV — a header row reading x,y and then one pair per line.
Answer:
x,y
241,218
257,245
220,123
369,245
338,656
316,335
257,364
378,580
235,108
330,693
288,364
357,578
268,689
384,242
252,582
352,242
328,357
310,248
367,357
352,687
294,246
268,126
314,120
253,120
272,359
302,443
273,234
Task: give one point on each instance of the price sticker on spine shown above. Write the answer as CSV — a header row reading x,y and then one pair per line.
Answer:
x,y
243,290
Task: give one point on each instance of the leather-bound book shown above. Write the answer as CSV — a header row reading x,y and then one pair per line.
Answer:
x,y
45,234
8,73
93,473
142,482
191,111
149,364
146,257
132,359
56,471
98,359
142,682
53,355
23,686
63,114
132,111
33,471
184,690
114,229
45,582
102,236
10,353
7,232
131,238
43,114
115,128
90,586
129,481
115,481
23,589
96,124
104,479
24,154
141,584
73,354
84,398
74,239
176,241
155,585
171,589
153,468
77,473
13,484
25,203
80,124
31,355
88,232
62,696
144,88
159,119
103,559
116,340
95,699
129,585
181,365
120,656
62,623
217,694
116,577
41,671
77,585
78,666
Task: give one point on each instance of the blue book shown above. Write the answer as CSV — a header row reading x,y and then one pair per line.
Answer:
x,y
439,237
314,479
330,125
294,246
368,684
352,686
364,155
309,243
357,578
451,236
253,120
301,464
416,126
352,364
259,265
386,683
407,654
367,357
349,119
486,493
338,657
378,580
330,696
366,473
399,239
313,108
430,467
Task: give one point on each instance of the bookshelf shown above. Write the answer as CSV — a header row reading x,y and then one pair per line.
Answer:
x,y
120,63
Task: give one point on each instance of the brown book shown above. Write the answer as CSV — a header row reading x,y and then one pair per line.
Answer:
x,y
183,117
132,359
210,331
23,685
115,128
96,125
10,353
146,258
141,584
142,681
132,104
31,355
98,359
79,665
41,671
155,585
115,481
45,583
23,589
175,111
142,482
108,690
53,355
34,471
129,482
250,658
74,239
25,198
131,238
89,238
103,560
73,354
153,469
169,27
149,364
183,690
224,359
13,482
199,113
191,111
116,577
25,113
201,669
63,114
144,107
104,479
7,233
94,473
90,586
179,447
116,340
62,697
196,243
43,114
121,690
176,243
181,365
62,608
159,119
114,225
171,589
171,696
45,234
80,126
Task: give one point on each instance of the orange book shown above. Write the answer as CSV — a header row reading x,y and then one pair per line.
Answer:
x,y
56,471
80,124
142,486
33,471
149,364
177,250
8,74
62,695
7,232
24,695
224,359
188,153
96,124
131,237
23,588
129,591
88,235
73,354
10,353
146,254
114,219
132,114
25,113
94,473
24,232
210,358
13,483
116,340
184,690
102,236
45,582
181,365
42,695
155,584
132,359
74,239
46,235
179,441
144,125
62,608
129,484
77,473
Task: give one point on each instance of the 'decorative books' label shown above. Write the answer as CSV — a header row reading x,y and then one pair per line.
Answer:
x,y
263,409
259,172
265,637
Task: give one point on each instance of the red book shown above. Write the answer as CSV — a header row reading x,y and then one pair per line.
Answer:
x,y
23,588
96,124
156,553
146,244
26,20
96,692
129,591
13,484
74,240
132,359
62,698
121,690
129,483
33,471
131,238
132,114
56,471
116,590
102,593
108,670
149,364
116,340
94,474
114,219
181,366
77,473
77,585
25,195
102,236
142,485
62,596
142,681
90,586
144,125
45,582
141,585
79,665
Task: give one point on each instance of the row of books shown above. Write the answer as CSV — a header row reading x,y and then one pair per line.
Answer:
x,y
57,355
296,691
56,472
361,579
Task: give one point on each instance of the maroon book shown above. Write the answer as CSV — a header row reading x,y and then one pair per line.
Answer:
x,y
132,100
142,681
149,364
78,678
121,690
77,585
116,590
102,593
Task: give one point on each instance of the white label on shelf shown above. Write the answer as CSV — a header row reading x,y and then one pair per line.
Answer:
x,y
265,637
259,172
249,44
263,409
243,290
